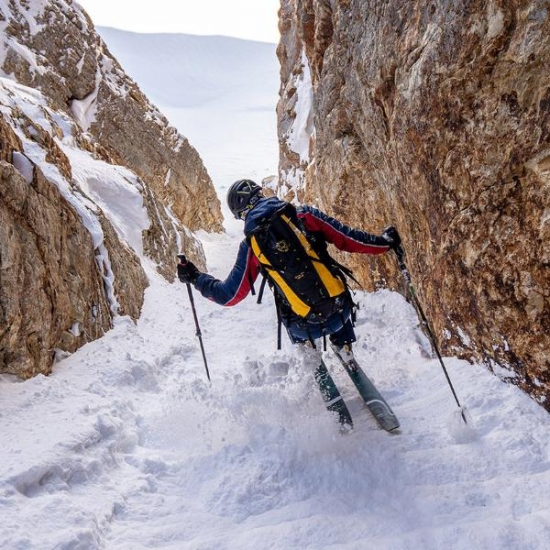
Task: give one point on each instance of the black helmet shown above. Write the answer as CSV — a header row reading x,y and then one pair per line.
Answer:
x,y
242,195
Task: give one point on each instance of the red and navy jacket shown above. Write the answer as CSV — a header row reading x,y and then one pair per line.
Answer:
x,y
239,282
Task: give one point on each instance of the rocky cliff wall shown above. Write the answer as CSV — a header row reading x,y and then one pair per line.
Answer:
x,y
435,117
52,295
52,46
95,185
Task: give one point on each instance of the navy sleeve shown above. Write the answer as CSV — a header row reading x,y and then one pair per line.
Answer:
x,y
237,284
343,237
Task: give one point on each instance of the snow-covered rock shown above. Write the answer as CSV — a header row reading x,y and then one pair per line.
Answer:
x,y
97,187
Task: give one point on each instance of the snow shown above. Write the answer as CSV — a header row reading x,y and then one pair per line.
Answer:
x,y
23,165
116,190
85,110
302,128
301,131
33,8
127,447
466,341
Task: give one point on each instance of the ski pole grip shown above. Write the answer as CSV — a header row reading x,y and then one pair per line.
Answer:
x,y
182,258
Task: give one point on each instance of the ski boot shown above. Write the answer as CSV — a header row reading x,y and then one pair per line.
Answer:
x,y
345,353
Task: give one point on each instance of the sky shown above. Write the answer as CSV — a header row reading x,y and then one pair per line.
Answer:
x,y
247,19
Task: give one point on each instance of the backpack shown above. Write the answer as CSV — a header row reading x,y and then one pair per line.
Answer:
x,y
305,280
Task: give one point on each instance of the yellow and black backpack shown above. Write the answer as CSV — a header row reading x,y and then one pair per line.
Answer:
x,y
305,280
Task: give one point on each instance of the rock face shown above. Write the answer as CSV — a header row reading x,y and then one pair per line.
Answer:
x,y
434,117
94,185
67,60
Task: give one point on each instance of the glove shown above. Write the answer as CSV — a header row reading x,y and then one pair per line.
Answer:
x,y
188,272
392,236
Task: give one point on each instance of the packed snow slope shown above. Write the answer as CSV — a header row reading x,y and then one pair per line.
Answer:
x,y
127,447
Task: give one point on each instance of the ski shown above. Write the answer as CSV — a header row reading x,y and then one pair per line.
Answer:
x,y
376,404
331,396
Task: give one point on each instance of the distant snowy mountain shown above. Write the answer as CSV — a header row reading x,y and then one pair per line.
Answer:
x,y
180,70
220,92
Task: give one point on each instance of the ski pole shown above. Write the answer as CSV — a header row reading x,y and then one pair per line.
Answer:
x,y
183,260
400,253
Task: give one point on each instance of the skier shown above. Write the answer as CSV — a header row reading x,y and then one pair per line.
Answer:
x,y
247,203
312,304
